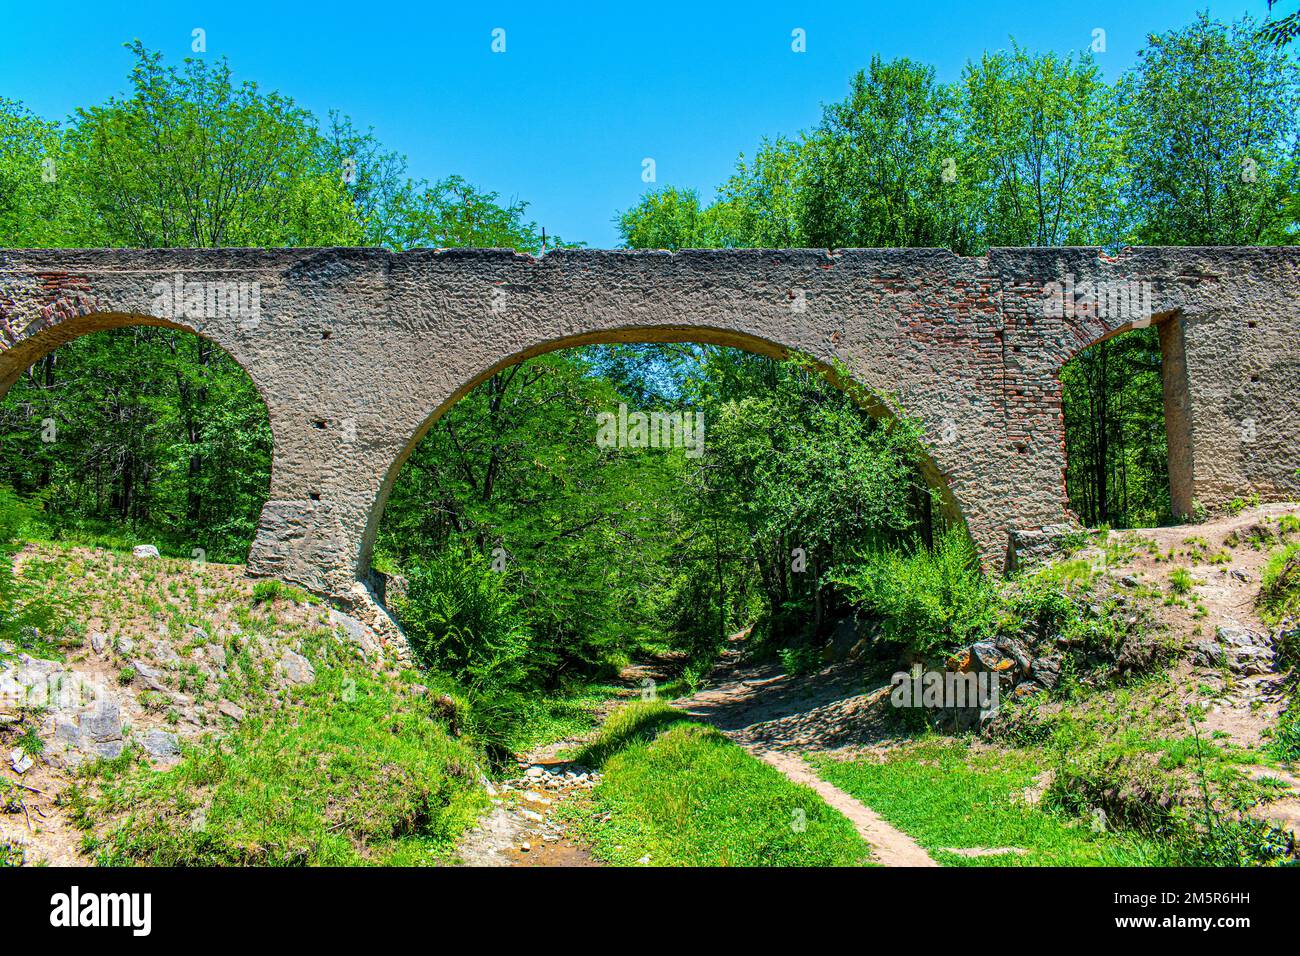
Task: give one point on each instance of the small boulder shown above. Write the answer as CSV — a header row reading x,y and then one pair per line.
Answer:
x,y
1017,652
231,710
144,551
161,744
1046,671
985,656
352,631
1235,635
296,668
1207,654
164,653
20,761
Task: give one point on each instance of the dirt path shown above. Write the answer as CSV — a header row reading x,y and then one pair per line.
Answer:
x,y
889,845
778,717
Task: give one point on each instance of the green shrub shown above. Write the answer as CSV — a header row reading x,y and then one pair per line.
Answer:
x,y
1180,580
1279,593
264,592
270,590
462,620
932,601
1284,742
800,660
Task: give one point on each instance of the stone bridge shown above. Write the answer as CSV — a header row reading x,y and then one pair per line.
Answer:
x,y
356,352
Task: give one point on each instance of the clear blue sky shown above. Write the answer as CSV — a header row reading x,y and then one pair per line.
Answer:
x,y
582,94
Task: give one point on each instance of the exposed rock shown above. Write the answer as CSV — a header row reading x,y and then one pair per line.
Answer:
x,y
20,761
164,653
354,632
1047,671
217,654
1235,635
144,551
987,656
98,642
1129,581
150,676
160,744
1138,654
96,733
1207,654
231,710
1017,652
1242,576
297,668
101,730
1030,548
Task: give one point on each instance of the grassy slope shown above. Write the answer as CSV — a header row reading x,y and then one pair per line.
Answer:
x,y
682,794
353,770
353,767
948,795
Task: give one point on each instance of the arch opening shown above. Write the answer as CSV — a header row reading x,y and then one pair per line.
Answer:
x,y
123,428
1126,420
777,470
871,397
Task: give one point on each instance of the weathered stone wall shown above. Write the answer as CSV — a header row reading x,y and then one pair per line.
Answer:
x,y
357,351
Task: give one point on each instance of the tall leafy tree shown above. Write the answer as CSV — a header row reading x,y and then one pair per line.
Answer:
x,y
1040,137
882,168
1213,137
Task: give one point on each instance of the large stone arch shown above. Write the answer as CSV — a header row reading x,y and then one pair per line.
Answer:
x,y
355,351
875,404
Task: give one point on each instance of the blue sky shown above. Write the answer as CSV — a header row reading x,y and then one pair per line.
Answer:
x,y
583,92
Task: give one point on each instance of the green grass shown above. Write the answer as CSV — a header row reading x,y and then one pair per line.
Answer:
x,y
682,794
1180,581
948,795
353,770
1280,586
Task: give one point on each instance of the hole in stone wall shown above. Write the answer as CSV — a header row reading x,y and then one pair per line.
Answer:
x,y
1117,458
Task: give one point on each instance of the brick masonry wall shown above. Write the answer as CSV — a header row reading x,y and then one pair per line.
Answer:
x,y
357,351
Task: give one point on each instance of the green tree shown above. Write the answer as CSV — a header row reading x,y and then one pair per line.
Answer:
x,y
1040,138
1213,137
882,169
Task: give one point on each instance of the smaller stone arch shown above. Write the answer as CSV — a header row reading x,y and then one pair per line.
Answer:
x,y
68,320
